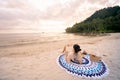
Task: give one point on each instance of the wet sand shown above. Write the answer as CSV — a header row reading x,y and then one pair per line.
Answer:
x,y
38,61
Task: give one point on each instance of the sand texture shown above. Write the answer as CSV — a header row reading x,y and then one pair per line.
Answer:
x,y
38,61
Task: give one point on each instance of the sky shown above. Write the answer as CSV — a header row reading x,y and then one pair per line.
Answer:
x,y
47,15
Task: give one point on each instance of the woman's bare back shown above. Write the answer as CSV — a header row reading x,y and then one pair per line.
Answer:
x,y
71,55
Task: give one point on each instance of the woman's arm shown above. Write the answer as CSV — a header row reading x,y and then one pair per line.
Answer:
x,y
94,58
80,57
84,52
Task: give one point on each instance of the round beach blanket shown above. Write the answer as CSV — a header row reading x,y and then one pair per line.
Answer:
x,y
87,69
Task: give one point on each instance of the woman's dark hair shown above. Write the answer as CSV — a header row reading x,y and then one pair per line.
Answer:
x,y
76,48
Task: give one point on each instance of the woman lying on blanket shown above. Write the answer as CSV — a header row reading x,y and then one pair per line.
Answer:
x,y
77,54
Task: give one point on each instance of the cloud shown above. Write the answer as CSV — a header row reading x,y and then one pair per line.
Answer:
x,y
17,13
76,10
29,14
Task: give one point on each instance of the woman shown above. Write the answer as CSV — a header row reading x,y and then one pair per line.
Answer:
x,y
75,54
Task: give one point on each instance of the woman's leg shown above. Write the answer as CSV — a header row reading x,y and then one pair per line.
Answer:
x,y
66,52
65,48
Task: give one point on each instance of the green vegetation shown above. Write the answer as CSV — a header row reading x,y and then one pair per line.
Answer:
x,y
102,21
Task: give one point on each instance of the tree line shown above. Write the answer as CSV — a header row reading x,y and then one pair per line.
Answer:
x,y
102,21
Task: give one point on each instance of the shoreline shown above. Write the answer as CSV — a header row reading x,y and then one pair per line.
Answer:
x,y
21,49
38,61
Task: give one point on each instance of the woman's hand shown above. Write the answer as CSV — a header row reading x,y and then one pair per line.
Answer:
x,y
84,52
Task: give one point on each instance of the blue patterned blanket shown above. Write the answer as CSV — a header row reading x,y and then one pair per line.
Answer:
x,y
87,69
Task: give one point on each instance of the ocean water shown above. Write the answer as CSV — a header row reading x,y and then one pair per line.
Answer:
x,y
17,39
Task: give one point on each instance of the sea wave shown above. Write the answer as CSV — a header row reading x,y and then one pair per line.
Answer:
x,y
20,39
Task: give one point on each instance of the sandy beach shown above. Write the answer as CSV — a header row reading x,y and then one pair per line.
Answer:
x,y
37,61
